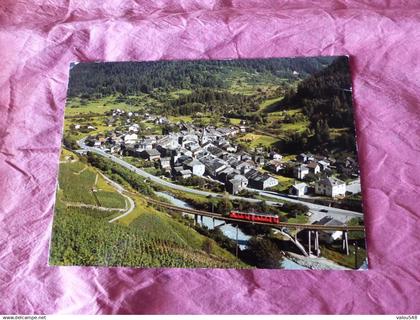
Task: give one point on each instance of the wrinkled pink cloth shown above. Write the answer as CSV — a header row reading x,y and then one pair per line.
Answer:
x,y
38,40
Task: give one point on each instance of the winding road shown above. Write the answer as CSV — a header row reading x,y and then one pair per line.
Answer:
x,y
337,213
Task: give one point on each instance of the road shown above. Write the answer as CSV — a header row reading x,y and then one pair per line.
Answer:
x,y
315,209
339,214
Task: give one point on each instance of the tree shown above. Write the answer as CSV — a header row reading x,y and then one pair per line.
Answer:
x,y
263,253
225,205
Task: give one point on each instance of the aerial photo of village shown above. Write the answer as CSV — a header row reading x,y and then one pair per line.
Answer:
x,y
210,164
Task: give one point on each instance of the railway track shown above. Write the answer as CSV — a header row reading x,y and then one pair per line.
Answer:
x,y
301,226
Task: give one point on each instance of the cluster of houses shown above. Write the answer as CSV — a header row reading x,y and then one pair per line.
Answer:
x,y
327,185
209,151
194,151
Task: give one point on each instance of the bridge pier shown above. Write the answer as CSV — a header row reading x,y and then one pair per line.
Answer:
x,y
317,251
237,247
313,242
201,218
346,242
195,220
213,222
309,242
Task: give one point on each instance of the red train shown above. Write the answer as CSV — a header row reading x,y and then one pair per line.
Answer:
x,y
257,217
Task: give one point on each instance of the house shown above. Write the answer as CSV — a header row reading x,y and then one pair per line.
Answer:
x,y
236,184
161,120
165,163
258,180
331,187
217,152
313,167
246,166
275,165
275,156
186,152
299,189
185,174
134,128
303,157
259,160
233,186
176,170
242,179
231,148
244,156
214,166
300,171
329,236
151,155
197,168
223,175
324,165
232,162
130,138
146,144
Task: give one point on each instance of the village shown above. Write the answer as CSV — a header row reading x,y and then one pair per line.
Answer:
x,y
186,150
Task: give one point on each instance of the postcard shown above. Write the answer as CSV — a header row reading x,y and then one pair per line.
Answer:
x,y
210,164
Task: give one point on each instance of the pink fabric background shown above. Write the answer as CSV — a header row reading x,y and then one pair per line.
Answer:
x,y
39,38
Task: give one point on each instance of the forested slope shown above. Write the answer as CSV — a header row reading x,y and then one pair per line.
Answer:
x,y
131,78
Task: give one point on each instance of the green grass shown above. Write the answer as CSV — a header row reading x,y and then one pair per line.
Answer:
x,y
178,93
180,119
269,104
300,218
151,128
235,121
102,185
254,140
333,252
337,132
102,105
295,127
110,199
77,185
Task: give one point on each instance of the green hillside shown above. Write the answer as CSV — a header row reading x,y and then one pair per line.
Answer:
x,y
146,237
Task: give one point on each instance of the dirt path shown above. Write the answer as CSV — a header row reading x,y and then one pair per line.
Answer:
x,y
131,208
91,206
120,189
80,172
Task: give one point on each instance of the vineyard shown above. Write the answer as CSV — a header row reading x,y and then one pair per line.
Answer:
x,y
75,174
110,199
79,183
144,238
80,237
